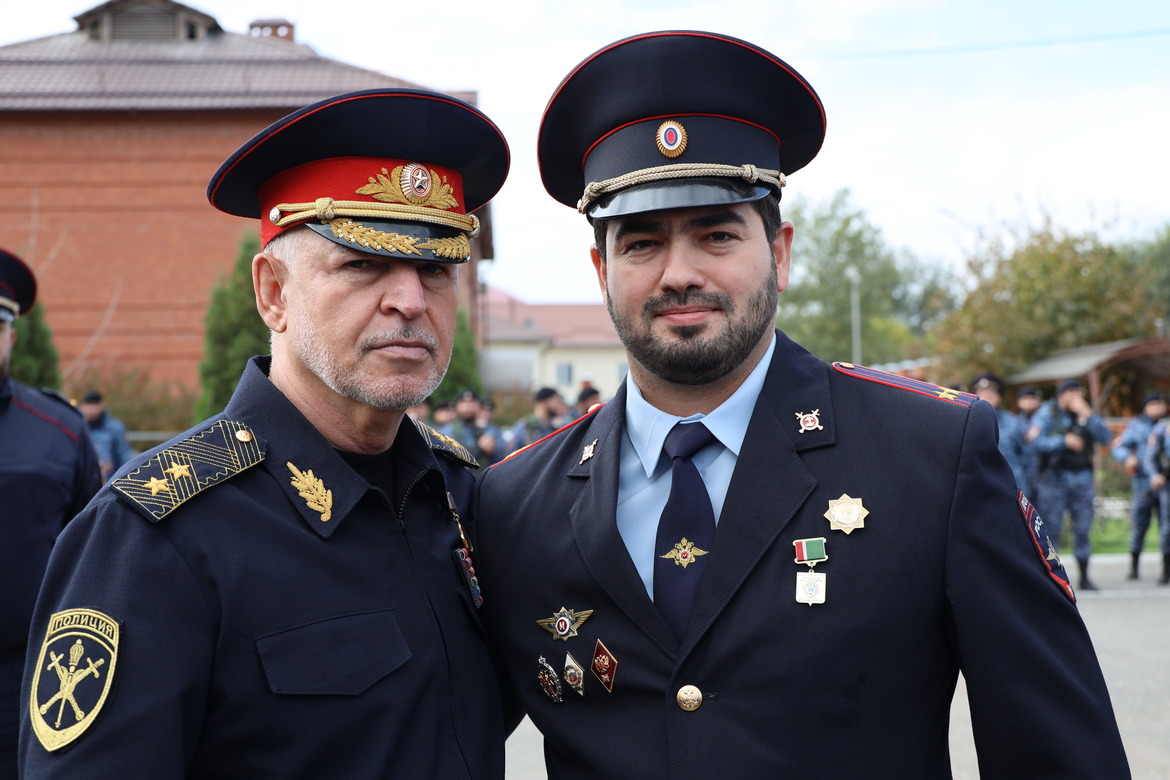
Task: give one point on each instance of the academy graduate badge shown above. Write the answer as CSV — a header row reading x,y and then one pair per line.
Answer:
x,y
72,676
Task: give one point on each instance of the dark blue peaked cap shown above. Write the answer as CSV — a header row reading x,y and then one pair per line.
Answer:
x,y
665,101
399,164
18,287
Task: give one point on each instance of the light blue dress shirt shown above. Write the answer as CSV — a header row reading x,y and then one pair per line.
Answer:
x,y
644,477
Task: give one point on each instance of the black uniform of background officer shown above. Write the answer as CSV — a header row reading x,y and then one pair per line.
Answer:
x,y
865,541
283,591
48,471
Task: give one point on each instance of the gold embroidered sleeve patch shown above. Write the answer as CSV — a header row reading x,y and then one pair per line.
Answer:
x,y
163,483
72,676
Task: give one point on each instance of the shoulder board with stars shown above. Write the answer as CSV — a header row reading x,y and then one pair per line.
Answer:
x,y
957,397
558,431
162,484
442,443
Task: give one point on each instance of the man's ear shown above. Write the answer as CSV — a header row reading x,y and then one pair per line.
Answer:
x,y
269,278
599,266
782,251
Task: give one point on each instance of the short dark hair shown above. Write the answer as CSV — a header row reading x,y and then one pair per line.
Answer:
x,y
768,207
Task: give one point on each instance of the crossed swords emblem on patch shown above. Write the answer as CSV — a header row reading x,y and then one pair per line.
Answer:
x,y
81,649
69,679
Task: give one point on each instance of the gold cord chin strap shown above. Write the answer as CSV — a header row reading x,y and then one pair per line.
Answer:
x,y
748,173
328,209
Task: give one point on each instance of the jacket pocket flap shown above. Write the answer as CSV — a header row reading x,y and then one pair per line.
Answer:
x,y
342,656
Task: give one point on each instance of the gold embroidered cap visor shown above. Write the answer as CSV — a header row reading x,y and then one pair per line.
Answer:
x,y
653,110
18,287
392,172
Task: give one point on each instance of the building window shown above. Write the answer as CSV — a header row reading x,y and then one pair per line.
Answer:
x,y
565,374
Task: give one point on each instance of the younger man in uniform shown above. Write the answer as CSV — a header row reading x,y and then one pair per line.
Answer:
x,y
670,615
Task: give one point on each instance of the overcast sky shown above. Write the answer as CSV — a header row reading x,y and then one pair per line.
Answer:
x,y
945,119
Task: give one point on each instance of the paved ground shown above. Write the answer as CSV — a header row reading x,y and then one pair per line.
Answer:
x,y
1130,626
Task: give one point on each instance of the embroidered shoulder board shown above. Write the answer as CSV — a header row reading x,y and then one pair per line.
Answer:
x,y
592,410
1045,547
443,443
57,395
957,397
188,467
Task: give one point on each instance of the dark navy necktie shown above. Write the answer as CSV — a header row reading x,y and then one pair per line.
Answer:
x,y
686,529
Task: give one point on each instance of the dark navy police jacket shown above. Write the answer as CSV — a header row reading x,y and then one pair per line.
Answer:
x,y
950,572
240,603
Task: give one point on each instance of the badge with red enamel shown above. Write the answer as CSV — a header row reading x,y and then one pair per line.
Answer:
x,y
604,665
549,681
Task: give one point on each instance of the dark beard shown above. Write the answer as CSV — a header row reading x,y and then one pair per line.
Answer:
x,y
694,360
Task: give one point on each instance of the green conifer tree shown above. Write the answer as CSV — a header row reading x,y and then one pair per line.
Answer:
x,y
35,361
233,332
463,372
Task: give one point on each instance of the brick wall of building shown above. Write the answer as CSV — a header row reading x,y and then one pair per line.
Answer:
x,y
110,212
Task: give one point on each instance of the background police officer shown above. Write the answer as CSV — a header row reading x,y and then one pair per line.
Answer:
x,y
1130,450
48,471
285,590
1065,432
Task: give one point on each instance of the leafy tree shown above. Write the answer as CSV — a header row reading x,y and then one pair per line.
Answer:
x,y
233,332
35,361
463,372
899,297
1154,257
1046,291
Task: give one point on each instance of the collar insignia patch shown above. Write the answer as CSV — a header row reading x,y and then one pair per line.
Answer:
x,y
313,490
72,675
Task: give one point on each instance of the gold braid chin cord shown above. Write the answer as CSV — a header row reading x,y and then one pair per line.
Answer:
x,y
748,173
326,209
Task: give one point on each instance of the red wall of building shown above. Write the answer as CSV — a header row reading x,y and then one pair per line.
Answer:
x,y
110,212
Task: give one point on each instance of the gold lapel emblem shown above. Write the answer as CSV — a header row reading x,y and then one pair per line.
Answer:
x,y
589,450
564,624
81,649
846,514
684,553
313,490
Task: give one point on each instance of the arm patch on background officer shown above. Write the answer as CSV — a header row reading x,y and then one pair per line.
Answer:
x,y
160,485
950,395
442,443
1045,547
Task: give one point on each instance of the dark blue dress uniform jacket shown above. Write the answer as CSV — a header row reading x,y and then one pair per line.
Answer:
x,y
944,576
48,471
259,638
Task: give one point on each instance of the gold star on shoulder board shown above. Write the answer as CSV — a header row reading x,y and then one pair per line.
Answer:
x,y
155,484
179,470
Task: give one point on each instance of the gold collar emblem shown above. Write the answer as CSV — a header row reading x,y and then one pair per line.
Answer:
x,y
313,490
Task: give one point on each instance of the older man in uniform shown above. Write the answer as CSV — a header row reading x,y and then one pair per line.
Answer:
x,y
793,588
285,590
48,471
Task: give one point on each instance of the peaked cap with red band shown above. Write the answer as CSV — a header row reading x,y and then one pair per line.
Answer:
x,y
676,119
18,287
391,172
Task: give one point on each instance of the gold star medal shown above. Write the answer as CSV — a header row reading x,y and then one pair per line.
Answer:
x,y
846,514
